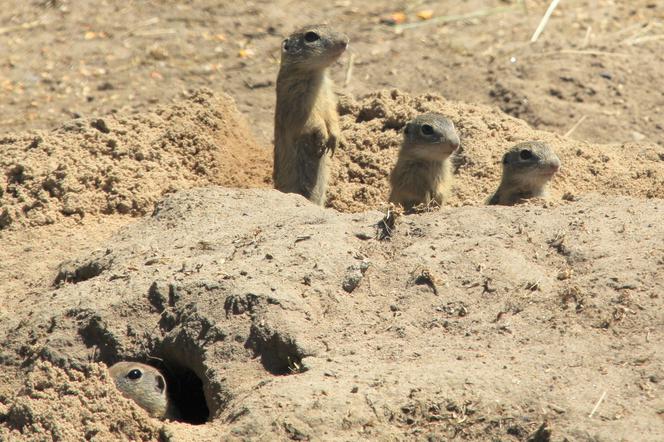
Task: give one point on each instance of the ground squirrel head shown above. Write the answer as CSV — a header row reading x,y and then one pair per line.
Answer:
x,y
143,384
313,47
430,137
531,163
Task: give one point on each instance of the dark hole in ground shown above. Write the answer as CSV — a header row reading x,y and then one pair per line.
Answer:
x,y
279,354
75,272
96,334
183,387
186,393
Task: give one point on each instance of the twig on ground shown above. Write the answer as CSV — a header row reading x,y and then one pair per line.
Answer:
x,y
578,52
577,124
21,27
153,33
452,18
647,38
586,38
640,26
385,227
544,21
349,69
642,30
597,404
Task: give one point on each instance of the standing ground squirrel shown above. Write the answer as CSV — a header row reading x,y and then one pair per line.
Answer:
x,y
144,385
527,169
423,171
306,126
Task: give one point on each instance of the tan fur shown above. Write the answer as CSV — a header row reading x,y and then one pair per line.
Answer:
x,y
525,178
423,172
306,129
148,391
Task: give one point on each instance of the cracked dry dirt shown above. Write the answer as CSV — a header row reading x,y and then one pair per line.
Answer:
x,y
136,222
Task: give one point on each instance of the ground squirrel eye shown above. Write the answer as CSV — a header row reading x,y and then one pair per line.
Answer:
x,y
311,37
427,129
135,374
525,154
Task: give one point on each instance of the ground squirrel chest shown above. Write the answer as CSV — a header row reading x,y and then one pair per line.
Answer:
x,y
306,128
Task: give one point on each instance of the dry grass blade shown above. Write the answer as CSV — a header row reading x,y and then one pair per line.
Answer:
x,y
579,52
153,33
21,27
456,17
385,227
647,39
586,38
599,402
575,126
640,35
427,207
544,21
349,70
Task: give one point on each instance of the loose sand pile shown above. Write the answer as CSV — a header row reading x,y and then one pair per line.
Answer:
x,y
67,405
372,128
125,163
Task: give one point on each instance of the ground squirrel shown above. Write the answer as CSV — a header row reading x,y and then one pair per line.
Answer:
x,y
527,169
423,171
144,385
306,127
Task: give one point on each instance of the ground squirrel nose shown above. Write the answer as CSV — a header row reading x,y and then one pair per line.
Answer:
x,y
455,142
555,165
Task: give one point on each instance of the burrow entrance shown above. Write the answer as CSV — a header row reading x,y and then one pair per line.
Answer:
x,y
186,392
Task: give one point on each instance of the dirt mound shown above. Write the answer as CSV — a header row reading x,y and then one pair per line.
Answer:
x,y
275,318
372,128
65,405
125,163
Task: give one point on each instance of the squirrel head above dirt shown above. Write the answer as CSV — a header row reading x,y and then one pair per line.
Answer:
x,y
532,162
430,137
313,47
143,384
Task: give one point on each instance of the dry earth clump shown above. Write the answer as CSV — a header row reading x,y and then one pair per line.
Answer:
x,y
472,322
66,405
124,163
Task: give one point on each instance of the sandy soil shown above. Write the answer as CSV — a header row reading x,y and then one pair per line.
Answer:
x,y
273,319
599,59
473,322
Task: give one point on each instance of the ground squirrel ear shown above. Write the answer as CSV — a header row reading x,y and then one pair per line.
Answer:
x,y
284,45
161,384
405,129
